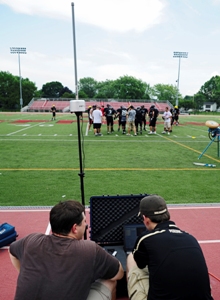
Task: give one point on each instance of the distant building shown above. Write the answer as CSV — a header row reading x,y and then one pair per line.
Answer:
x,y
209,106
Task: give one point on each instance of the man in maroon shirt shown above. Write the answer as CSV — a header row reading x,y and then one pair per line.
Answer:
x,y
64,266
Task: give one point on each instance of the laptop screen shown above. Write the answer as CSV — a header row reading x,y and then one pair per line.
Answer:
x,y
131,232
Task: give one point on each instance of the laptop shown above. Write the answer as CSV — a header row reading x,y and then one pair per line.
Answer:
x,y
131,232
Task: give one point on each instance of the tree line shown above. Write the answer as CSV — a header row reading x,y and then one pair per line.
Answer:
x,y
123,88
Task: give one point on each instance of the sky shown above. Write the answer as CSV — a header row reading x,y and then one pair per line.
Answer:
x,y
113,38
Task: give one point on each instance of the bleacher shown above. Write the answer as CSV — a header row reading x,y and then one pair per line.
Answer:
x,y
62,105
37,105
44,105
159,105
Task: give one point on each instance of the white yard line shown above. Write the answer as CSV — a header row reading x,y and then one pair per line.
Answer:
x,y
24,129
87,129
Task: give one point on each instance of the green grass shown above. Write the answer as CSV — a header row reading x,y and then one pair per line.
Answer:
x,y
39,161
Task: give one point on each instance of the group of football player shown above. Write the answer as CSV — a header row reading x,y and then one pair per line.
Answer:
x,y
130,118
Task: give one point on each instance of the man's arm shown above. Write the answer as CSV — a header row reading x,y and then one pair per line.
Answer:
x,y
108,266
15,262
92,115
120,273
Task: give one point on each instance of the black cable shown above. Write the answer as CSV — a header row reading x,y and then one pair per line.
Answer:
x,y
82,145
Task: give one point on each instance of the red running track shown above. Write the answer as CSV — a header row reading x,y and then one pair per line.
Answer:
x,y
201,221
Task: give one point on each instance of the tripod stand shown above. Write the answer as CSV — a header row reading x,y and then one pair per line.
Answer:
x,y
214,135
78,106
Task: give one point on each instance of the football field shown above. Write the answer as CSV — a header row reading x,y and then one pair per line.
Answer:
x,y
39,161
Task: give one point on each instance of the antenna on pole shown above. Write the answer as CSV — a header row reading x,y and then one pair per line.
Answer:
x,y
74,52
78,106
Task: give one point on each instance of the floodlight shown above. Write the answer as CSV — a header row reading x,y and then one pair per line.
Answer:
x,y
177,54
19,50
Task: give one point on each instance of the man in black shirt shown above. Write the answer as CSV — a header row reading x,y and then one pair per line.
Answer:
x,y
53,110
166,259
153,114
109,113
122,117
144,112
138,120
89,111
176,114
172,119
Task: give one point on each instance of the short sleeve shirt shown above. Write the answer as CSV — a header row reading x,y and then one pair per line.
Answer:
x,y
97,116
59,268
131,115
167,115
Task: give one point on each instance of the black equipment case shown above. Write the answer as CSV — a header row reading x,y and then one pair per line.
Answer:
x,y
108,215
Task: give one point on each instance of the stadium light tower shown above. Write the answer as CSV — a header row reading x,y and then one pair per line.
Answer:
x,y
19,50
179,55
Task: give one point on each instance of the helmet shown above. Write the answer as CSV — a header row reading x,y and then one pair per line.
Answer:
x,y
89,106
175,106
152,106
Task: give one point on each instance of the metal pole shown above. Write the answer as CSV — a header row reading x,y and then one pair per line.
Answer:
x,y
21,99
206,148
19,50
179,55
78,114
81,174
74,51
178,80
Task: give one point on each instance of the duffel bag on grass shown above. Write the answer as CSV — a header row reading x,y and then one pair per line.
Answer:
x,y
7,234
